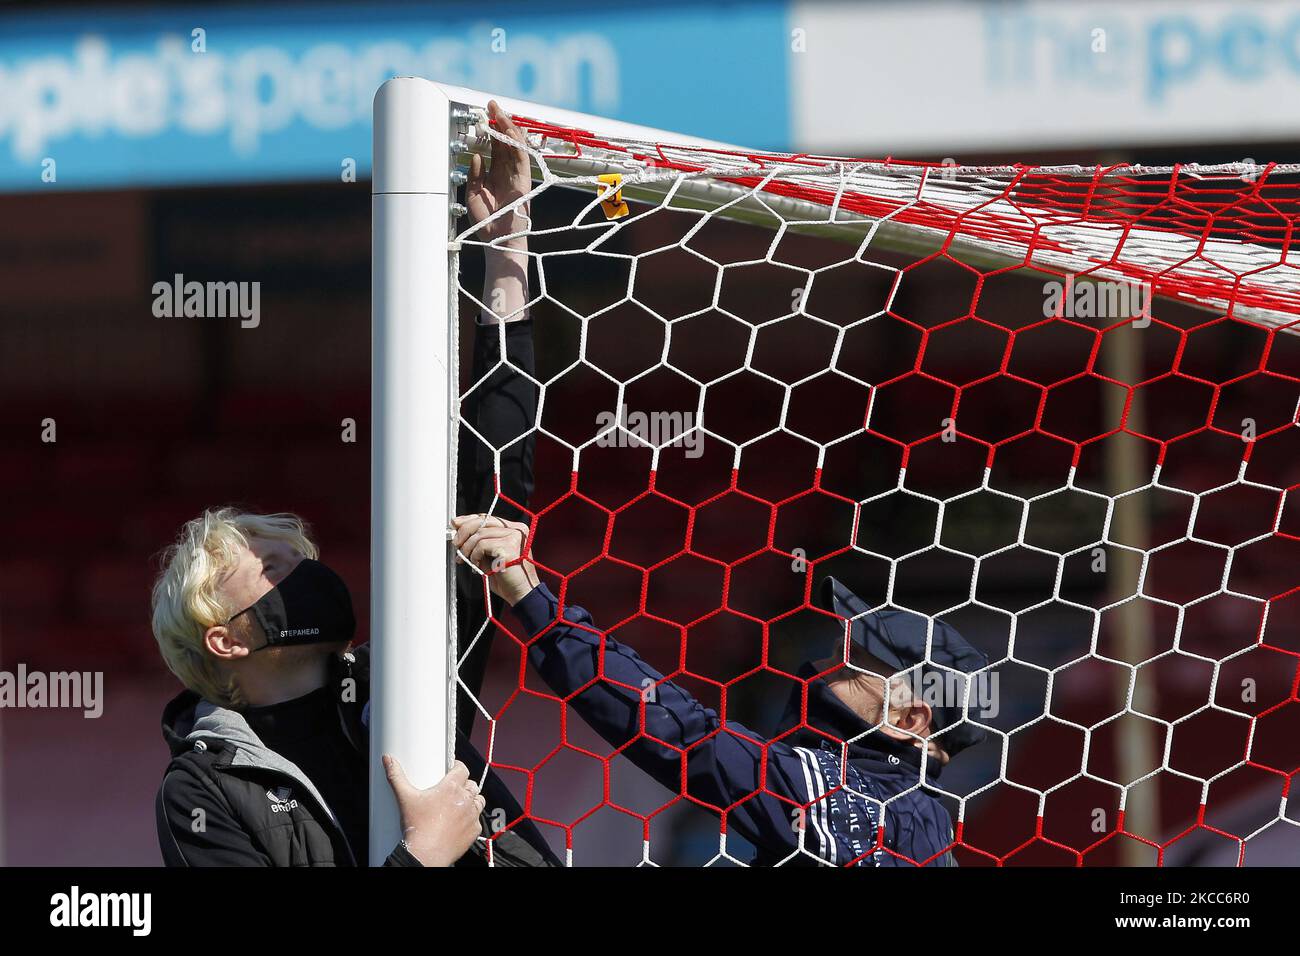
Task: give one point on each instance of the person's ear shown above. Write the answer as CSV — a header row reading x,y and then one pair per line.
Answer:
x,y
913,719
222,643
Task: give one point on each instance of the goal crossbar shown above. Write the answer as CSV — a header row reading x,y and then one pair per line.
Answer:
x,y
980,216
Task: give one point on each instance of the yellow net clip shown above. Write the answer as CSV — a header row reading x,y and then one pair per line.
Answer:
x,y
611,199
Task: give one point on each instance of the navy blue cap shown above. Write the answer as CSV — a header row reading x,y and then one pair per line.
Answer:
x,y
897,638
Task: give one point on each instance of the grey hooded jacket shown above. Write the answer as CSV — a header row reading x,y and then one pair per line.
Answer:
x,y
227,799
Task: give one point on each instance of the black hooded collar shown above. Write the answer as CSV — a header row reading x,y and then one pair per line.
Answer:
x,y
178,720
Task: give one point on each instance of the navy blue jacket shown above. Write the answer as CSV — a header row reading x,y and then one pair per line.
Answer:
x,y
795,798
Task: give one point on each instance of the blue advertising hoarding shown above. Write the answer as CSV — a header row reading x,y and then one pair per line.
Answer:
x,y
245,94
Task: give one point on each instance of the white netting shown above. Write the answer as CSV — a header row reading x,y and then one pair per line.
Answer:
x,y
778,368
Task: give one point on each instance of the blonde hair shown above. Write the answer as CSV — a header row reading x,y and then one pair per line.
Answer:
x,y
185,598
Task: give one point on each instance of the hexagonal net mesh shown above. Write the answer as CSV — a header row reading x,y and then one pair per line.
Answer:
x,y
1050,410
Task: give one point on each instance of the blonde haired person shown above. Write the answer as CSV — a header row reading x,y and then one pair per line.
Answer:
x,y
268,740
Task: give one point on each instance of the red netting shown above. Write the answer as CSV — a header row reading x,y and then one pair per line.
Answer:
x,y
1021,205
965,440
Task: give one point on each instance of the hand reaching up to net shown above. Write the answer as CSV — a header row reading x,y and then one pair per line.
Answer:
x,y
488,190
495,546
498,184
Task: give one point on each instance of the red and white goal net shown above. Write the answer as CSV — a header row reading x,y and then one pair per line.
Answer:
x,y
1054,408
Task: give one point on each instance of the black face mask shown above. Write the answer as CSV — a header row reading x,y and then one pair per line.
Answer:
x,y
310,606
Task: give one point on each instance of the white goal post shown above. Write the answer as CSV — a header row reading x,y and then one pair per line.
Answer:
x,y
423,130
419,128
411,404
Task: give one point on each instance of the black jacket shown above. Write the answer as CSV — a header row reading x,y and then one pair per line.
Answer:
x,y
229,800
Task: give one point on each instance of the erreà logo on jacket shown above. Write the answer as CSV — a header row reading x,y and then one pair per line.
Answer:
x,y
281,800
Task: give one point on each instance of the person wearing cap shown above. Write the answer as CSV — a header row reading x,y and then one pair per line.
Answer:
x,y
852,784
